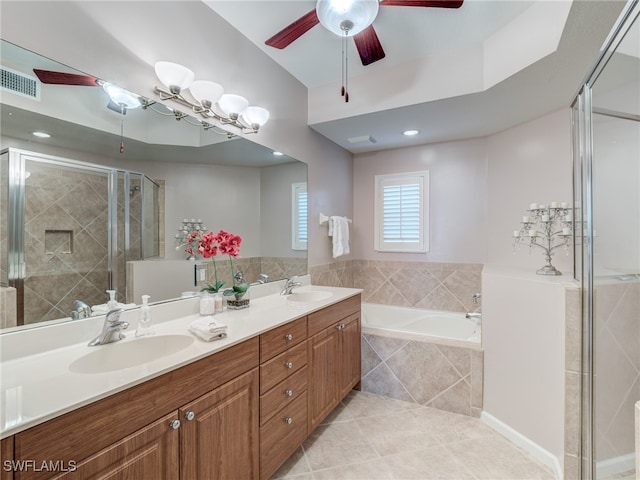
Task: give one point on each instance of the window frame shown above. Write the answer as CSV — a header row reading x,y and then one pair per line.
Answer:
x,y
296,242
409,178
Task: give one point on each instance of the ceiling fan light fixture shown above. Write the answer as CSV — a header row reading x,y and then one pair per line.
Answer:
x,y
121,97
174,76
206,92
346,17
233,105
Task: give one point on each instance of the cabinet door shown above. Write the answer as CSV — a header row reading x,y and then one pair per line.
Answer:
x,y
151,452
349,367
219,433
6,454
323,374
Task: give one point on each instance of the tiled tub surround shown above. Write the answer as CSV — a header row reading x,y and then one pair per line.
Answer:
x,y
430,374
428,285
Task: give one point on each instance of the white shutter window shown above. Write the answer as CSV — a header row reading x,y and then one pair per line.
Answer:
x,y
299,218
402,212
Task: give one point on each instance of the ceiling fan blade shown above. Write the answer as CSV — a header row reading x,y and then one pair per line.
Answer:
x,y
423,3
289,34
369,46
62,78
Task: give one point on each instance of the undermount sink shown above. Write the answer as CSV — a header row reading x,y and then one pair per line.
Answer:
x,y
120,355
309,296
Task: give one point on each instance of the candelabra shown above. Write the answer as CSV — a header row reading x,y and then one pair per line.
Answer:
x,y
185,232
548,228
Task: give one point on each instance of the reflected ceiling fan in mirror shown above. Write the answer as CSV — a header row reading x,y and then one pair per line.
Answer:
x,y
120,100
350,18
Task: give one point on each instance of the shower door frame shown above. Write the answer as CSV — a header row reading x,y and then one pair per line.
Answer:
x,y
16,267
582,126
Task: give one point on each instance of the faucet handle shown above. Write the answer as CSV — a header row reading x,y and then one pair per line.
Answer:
x,y
114,315
475,297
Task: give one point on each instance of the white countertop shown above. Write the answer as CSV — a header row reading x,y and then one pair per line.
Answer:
x,y
40,385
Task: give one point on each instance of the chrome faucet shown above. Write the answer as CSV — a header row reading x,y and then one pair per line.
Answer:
x,y
80,310
289,285
475,314
238,278
111,329
263,278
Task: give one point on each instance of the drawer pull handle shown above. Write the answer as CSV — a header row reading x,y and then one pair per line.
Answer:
x,y
288,364
288,337
288,420
189,415
175,424
288,393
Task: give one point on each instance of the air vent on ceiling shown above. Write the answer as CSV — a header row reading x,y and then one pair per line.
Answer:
x,y
19,83
368,139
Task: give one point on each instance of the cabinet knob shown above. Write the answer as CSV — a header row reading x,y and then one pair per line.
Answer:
x,y
339,327
288,393
288,364
342,326
190,415
175,424
288,420
288,337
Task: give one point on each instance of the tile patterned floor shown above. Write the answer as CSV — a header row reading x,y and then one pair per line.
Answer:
x,y
371,437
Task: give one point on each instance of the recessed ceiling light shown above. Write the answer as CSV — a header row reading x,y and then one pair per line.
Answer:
x,y
409,133
278,154
42,134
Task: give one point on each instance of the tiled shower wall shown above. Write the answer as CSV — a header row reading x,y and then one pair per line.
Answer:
x,y
428,285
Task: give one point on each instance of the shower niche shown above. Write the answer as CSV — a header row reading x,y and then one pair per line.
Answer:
x,y
67,229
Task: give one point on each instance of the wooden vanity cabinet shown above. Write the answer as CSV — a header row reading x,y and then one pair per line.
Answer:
x,y
237,414
221,389
334,356
283,394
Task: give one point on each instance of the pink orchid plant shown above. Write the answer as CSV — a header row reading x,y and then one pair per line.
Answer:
x,y
209,245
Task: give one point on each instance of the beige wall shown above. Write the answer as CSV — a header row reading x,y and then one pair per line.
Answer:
x,y
458,212
527,163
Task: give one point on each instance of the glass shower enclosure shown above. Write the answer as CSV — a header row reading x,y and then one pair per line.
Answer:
x,y
606,120
67,230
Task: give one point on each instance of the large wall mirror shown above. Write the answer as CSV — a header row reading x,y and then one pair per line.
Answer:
x,y
97,202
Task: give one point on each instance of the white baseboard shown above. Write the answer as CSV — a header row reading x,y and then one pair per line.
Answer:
x,y
536,451
613,466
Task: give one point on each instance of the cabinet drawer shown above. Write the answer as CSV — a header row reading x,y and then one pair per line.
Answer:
x,y
282,394
320,320
280,367
282,435
279,339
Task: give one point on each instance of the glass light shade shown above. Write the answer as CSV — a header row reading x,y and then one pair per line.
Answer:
x,y
206,91
174,75
348,17
120,96
255,116
233,105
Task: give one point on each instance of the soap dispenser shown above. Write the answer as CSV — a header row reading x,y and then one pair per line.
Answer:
x,y
145,326
112,304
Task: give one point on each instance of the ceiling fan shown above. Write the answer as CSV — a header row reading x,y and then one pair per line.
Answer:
x,y
119,99
351,18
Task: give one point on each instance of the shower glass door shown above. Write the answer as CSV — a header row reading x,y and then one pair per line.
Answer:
x,y
65,238
607,179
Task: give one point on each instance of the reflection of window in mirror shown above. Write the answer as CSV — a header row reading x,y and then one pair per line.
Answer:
x,y
299,216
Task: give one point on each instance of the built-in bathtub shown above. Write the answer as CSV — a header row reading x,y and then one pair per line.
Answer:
x,y
432,358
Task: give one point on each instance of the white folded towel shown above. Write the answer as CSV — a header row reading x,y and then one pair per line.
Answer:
x,y
208,329
339,231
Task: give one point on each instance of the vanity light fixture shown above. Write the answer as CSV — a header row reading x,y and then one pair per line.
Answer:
x,y
410,133
209,100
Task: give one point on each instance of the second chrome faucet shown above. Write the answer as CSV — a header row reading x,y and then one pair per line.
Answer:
x,y
111,329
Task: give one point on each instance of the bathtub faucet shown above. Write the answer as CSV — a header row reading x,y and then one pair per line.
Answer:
x,y
476,313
